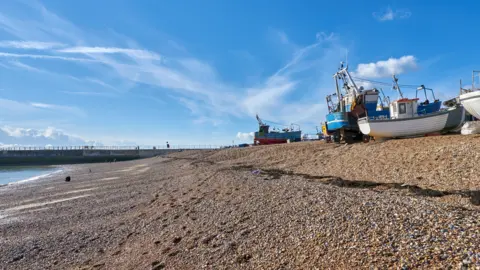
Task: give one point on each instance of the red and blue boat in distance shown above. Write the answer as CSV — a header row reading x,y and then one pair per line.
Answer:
x,y
266,136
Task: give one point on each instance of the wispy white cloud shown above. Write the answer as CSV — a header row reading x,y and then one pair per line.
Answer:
x,y
45,56
42,105
60,108
19,136
205,119
292,93
140,54
30,68
182,76
36,45
86,93
387,68
99,82
245,136
268,95
26,67
273,99
13,108
389,14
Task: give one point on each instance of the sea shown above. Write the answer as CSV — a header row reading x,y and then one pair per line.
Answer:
x,y
11,174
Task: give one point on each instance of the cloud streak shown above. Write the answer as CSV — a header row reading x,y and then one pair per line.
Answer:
x,y
140,54
86,93
61,108
389,14
35,45
44,56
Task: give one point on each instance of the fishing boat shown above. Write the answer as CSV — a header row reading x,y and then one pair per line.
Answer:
x,y
470,99
424,107
405,121
266,136
351,103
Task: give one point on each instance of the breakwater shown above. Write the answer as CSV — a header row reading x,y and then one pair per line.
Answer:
x,y
28,156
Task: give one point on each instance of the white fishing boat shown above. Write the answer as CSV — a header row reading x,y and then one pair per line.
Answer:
x,y
470,99
405,121
471,102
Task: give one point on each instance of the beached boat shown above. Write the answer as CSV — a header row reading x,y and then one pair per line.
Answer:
x,y
355,103
266,136
405,121
424,107
351,103
470,99
471,102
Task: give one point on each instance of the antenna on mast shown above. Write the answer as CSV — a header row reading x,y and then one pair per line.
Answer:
x,y
461,86
346,57
473,80
396,86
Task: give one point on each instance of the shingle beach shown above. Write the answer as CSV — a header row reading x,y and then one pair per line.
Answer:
x,y
399,204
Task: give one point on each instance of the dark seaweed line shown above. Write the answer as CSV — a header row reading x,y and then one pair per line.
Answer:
x,y
474,195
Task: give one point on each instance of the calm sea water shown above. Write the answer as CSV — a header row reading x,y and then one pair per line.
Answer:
x,y
25,173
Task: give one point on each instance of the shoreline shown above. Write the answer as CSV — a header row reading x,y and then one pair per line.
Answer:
x,y
24,174
38,177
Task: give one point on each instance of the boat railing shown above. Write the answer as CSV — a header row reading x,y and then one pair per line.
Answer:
x,y
379,117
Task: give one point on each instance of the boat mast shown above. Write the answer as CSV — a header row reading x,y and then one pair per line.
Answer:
x,y
396,86
260,122
349,79
339,94
355,88
473,79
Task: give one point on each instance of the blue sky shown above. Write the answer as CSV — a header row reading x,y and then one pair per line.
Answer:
x,y
196,72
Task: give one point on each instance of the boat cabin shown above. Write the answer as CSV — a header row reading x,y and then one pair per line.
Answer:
x,y
404,108
263,129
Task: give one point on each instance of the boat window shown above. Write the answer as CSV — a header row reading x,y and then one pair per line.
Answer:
x,y
402,109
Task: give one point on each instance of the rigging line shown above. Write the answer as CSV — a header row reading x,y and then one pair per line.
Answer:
x,y
275,123
385,83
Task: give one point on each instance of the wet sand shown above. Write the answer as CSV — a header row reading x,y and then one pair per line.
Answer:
x,y
298,206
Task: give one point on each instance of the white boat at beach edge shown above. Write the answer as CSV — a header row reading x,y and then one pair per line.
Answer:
x,y
471,102
441,121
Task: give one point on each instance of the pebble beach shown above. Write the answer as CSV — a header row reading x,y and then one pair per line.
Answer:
x,y
398,204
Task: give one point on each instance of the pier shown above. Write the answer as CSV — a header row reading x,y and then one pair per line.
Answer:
x,y
86,154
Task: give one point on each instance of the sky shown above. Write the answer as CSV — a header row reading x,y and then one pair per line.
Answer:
x,y
119,72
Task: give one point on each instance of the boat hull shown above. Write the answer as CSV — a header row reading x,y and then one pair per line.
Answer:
x,y
441,121
471,102
277,137
339,120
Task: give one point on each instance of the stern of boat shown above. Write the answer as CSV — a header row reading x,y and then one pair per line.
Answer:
x,y
364,126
